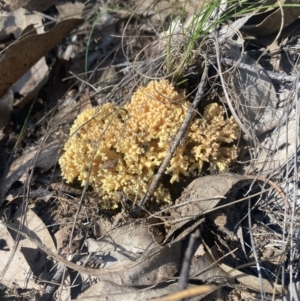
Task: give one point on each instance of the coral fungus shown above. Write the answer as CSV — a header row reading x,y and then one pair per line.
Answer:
x,y
120,149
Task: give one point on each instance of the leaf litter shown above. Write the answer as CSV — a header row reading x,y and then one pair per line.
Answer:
x,y
246,221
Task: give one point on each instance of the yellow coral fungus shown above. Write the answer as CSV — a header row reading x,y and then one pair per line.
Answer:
x,y
120,149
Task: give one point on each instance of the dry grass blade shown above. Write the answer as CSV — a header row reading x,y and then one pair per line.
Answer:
x,y
190,292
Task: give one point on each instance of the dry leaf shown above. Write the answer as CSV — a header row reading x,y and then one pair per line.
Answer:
x,y
68,8
46,158
23,19
27,257
204,267
200,196
61,238
30,83
26,51
269,21
278,148
256,98
203,195
107,291
130,243
13,23
39,5
18,263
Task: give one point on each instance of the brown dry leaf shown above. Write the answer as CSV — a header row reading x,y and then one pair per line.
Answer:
x,y
26,51
130,243
269,21
46,158
30,83
27,258
132,238
104,291
202,195
257,103
61,238
39,5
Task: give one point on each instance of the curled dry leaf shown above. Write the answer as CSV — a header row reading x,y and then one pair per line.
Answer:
x,y
43,158
61,238
26,51
156,10
202,195
130,243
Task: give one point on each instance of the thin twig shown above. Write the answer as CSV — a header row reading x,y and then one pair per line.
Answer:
x,y
228,100
176,142
258,268
188,256
288,208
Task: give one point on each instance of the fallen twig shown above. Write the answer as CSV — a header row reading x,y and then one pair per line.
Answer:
x,y
176,142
